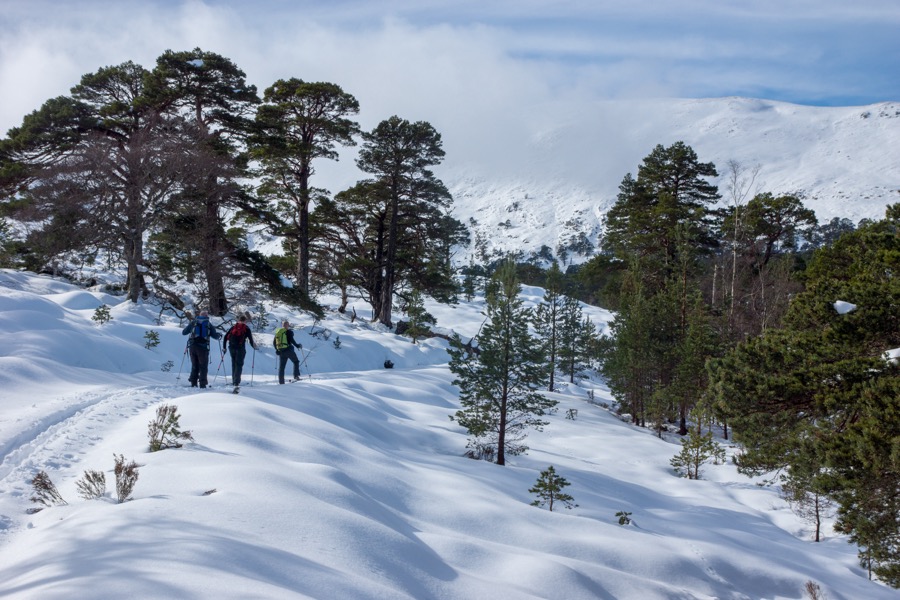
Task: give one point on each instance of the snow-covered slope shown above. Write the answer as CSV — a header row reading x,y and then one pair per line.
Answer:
x,y
553,172
351,483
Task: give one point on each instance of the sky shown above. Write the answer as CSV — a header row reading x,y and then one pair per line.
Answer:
x,y
352,483
467,63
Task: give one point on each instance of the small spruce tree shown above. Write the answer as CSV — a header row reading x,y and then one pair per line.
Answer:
x,y
548,489
419,318
151,338
696,449
102,315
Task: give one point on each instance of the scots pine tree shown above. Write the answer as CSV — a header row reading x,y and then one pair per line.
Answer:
x,y
499,385
299,122
548,319
576,338
398,155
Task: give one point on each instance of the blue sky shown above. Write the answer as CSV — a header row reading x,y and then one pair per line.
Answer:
x,y
425,58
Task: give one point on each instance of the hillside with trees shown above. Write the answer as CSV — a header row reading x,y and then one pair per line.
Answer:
x,y
730,301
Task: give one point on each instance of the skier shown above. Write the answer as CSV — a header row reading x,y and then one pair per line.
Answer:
x,y
200,330
284,347
235,340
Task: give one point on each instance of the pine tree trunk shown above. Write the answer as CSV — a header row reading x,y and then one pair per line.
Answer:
x,y
387,291
303,241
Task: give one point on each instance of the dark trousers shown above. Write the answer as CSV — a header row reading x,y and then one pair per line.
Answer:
x,y
283,357
238,353
199,365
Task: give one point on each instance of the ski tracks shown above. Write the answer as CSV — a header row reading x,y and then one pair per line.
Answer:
x,y
55,442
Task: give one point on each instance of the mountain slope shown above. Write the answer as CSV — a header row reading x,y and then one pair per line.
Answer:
x,y
553,175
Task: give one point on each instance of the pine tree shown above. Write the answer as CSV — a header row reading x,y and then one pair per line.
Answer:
x,y
210,94
576,338
299,122
398,154
696,449
498,386
548,489
419,318
548,319
671,192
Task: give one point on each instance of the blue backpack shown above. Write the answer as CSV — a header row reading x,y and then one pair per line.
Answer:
x,y
201,329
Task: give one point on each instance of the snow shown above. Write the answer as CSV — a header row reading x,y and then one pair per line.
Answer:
x,y
843,307
351,483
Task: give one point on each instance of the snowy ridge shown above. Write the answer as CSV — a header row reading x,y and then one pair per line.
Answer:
x,y
565,166
351,483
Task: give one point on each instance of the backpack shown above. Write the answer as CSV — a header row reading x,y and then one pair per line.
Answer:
x,y
201,329
238,334
280,342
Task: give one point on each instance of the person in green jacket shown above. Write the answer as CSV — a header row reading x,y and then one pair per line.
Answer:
x,y
284,346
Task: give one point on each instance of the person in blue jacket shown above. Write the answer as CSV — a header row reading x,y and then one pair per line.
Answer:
x,y
200,330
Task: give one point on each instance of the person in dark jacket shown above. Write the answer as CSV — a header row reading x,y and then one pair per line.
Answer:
x,y
284,346
235,340
200,330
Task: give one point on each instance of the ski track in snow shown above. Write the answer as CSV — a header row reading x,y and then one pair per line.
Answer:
x,y
55,442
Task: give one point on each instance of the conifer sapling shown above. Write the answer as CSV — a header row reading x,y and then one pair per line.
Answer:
x,y
548,489
165,431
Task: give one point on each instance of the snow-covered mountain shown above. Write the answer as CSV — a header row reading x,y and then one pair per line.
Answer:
x,y
548,174
352,482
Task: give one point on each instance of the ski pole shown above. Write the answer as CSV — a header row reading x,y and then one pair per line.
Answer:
x,y
252,364
303,362
221,362
178,378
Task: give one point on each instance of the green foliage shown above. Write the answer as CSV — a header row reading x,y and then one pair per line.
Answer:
x,y
818,396
696,450
498,385
6,244
151,338
576,335
469,283
548,489
167,366
102,315
548,320
670,192
419,318
408,210
299,122
165,431
624,517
